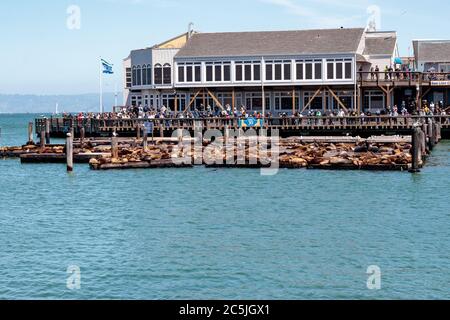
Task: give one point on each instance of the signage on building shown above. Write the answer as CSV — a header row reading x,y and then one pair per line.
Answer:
x,y
149,126
440,83
251,123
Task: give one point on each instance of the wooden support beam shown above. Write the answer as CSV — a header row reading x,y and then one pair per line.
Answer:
x,y
425,93
233,100
192,101
337,99
293,101
204,98
383,89
215,99
360,99
312,99
176,102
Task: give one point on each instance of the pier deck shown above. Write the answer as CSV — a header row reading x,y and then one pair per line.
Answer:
x,y
289,126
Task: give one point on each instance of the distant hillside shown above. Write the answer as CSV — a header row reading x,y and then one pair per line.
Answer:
x,y
47,103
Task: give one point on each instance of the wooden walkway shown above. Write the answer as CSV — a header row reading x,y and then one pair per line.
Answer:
x,y
356,126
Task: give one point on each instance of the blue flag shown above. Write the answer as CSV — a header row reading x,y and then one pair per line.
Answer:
x,y
107,67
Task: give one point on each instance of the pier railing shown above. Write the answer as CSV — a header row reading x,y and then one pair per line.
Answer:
x,y
403,77
98,127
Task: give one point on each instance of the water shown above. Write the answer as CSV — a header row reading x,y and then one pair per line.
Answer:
x,y
221,234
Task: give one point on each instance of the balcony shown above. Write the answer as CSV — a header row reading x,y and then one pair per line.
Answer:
x,y
403,79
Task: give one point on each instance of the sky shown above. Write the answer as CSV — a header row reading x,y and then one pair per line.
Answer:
x,y
53,47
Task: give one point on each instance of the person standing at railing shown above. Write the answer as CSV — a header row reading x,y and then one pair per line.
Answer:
x,y
372,74
377,71
404,110
386,73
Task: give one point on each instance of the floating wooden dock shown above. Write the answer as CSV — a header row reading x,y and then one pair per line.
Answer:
x,y
312,152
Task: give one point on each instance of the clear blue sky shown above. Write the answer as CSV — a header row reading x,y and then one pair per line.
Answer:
x,y
40,55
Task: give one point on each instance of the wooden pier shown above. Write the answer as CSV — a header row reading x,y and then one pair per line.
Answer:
x,y
287,126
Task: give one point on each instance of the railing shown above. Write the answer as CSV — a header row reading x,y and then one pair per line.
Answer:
x,y
403,76
96,126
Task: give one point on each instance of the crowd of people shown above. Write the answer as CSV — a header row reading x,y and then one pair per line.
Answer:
x,y
402,73
227,112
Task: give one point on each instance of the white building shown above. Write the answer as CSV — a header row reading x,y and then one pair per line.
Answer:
x,y
293,70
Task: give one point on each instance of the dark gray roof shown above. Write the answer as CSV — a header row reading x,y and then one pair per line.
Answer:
x,y
380,45
235,44
432,51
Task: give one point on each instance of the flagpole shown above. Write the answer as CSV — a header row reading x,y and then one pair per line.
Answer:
x,y
101,86
115,94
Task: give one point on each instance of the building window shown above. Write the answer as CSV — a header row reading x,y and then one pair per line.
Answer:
x,y
158,74
374,100
318,70
339,69
139,76
198,73
348,70
257,72
330,70
167,73
209,73
218,73
309,71
189,73
239,72
269,71
283,101
300,70
346,97
181,73
278,75
287,71
319,101
254,101
248,72
144,75
227,72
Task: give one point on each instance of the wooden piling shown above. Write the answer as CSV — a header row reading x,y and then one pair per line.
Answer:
x,y
47,131
42,139
435,133
431,136
161,130
145,140
227,133
69,152
416,151
180,137
114,147
82,136
439,131
30,133
138,131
